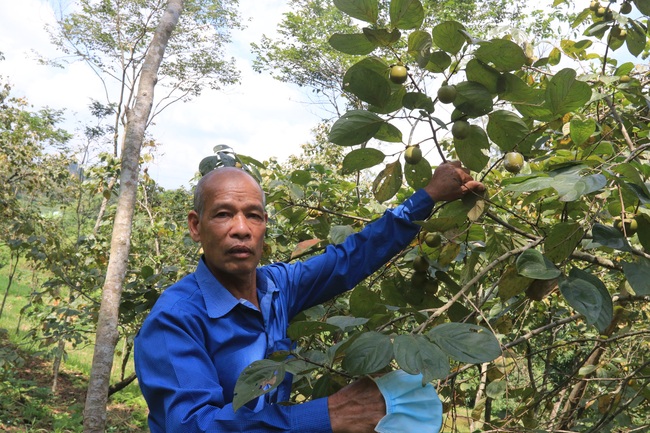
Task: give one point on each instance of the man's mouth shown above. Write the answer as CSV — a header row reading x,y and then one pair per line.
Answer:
x,y
240,251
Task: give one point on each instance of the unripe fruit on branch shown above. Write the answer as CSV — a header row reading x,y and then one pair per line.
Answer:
x,y
460,129
513,162
413,154
398,74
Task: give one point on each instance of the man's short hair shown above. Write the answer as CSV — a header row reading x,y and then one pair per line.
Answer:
x,y
199,191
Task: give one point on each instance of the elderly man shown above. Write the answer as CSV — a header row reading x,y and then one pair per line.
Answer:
x,y
205,329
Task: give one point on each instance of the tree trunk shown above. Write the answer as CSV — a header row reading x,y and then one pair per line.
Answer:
x,y
107,324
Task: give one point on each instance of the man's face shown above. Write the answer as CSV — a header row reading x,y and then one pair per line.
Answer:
x,y
232,225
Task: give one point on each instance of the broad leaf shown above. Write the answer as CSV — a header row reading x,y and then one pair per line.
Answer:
x,y
368,353
355,127
257,379
364,10
471,149
581,129
643,6
583,297
418,101
448,37
345,323
297,330
353,44
438,62
389,133
417,176
506,129
503,54
562,239
415,354
365,302
511,283
636,35
565,94
387,182
607,308
419,46
367,79
479,72
638,275
608,237
643,231
473,99
360,159
465,342
406,14
532,264
339,233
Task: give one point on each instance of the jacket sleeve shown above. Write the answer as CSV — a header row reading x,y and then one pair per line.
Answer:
x,y
341,267
183,391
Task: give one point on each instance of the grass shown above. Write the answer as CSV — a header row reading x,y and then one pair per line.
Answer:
x,y
27,403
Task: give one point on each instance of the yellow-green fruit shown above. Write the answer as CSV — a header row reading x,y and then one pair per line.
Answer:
x,y
626,8
625,79
600,12
594,5
447,94
460,129
398,74
420,264
433,240
513,162
630,225
413,154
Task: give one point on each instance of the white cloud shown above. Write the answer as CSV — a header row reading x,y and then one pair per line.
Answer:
x,y
261,118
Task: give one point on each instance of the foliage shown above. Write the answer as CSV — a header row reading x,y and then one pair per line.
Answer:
x,y
533,283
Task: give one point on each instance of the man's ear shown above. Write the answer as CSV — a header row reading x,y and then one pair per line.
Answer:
x,y
193,222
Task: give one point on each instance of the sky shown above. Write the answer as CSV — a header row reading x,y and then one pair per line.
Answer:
x,y
262,117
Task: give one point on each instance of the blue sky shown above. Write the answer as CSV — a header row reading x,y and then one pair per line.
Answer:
x,y
261,118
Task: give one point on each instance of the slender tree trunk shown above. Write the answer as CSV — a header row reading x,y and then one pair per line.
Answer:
x,y
56,365
107,324
13,266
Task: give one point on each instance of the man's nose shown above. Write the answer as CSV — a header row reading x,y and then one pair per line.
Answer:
x,y
240,225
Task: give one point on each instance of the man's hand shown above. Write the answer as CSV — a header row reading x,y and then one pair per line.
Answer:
x,y
450,181
357,408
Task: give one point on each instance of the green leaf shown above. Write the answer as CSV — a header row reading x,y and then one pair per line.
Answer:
x,y
496,388
473,99
532,264
581,129
643,6
562,239
382,37
636,37
418,101
300,177
632,175
367,80
389,133
465,342
364,10
583,297
368,353
365,302
470,150
415,354
606,313
438,62
484,74
345,323
638,275
565,94
643,230
257,379
511,283
339,233
418,175
297,330
355,127
353,44
506,129
419,47
359,159
448,37
406,14
608,237
504,54
387,182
